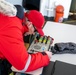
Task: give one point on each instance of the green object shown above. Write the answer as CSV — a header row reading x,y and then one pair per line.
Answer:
x,y
40,39
11,73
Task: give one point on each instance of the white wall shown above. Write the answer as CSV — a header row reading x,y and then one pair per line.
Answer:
x,y
51,4
15,1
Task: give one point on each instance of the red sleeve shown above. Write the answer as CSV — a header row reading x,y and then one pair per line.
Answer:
x,y
24,29
13,49
38,60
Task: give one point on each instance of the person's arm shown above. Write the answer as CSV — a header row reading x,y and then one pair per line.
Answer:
x,y
38,60
7,8
14,50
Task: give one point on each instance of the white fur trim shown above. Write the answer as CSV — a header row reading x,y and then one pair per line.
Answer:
x,y
7,8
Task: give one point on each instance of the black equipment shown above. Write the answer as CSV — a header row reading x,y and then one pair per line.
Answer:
x,y
59,68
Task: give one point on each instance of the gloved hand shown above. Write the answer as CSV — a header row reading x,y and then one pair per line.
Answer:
x,y
49,54
30,28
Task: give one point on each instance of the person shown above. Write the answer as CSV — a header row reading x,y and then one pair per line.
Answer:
x,y
31,18
12,45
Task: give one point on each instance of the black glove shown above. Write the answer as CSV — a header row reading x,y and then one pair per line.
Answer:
x,y
60,48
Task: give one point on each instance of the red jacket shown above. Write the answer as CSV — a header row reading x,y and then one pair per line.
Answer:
x,y
12,46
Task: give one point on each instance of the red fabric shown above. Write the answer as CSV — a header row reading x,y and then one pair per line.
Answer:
x,y
24,28
12,46
37,19
38,60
